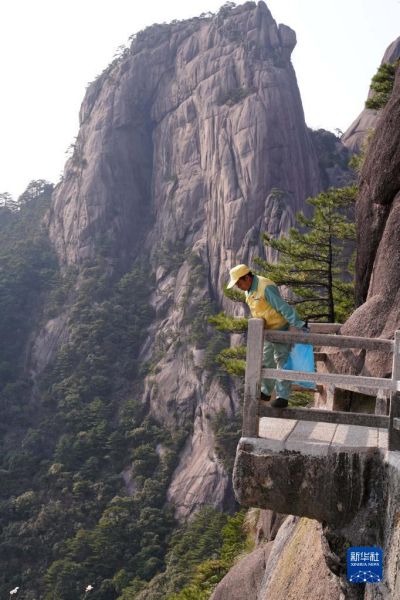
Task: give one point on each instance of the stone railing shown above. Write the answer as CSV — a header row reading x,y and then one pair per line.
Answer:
x,y
254,409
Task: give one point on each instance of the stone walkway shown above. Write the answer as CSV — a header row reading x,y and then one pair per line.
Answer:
x,y
319,438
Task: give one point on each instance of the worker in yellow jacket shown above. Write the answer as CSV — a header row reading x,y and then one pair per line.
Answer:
x,y
265,301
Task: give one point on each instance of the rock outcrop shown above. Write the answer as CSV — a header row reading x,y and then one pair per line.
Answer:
x,y
368,118
194,126
191,144
294,567
378,246
244,580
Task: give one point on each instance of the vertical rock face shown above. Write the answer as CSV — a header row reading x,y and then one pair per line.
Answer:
x,y
194,126
190,145
379,188
389,587
368,118
378,243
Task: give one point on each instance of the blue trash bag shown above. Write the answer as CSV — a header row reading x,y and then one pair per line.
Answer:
x,y
301,358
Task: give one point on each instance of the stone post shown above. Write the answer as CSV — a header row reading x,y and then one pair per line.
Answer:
x,y
394,432
252,385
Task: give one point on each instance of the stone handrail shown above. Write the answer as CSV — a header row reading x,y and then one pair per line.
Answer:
x,y
253,409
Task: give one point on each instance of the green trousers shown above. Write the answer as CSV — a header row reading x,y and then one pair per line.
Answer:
x,y
275,357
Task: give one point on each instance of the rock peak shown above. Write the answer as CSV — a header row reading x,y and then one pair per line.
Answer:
x,y
184,142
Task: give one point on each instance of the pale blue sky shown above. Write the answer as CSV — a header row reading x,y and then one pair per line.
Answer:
x,y
51,49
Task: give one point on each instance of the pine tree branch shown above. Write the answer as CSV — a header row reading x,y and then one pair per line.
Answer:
x,y
295,302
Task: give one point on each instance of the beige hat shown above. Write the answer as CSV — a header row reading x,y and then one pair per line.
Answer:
x,y
236,273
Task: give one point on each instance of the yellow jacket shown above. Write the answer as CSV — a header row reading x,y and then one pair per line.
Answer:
x,y
259,307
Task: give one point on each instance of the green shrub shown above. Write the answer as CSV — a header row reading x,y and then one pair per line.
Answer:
x,y
235,95
382,85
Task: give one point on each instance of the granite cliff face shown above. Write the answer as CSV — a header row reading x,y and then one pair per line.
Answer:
x,y
288,568
378,315
378,256
190,145
368,118
192,128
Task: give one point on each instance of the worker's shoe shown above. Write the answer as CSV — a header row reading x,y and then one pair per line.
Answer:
x,y
279,403
265,397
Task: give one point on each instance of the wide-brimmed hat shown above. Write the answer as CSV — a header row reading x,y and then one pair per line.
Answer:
x,y
236,273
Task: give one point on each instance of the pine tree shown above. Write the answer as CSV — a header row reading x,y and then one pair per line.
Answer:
x,y
314,260
8,202
382,85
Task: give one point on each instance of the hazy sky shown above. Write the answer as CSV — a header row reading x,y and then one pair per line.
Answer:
x,y
51,49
